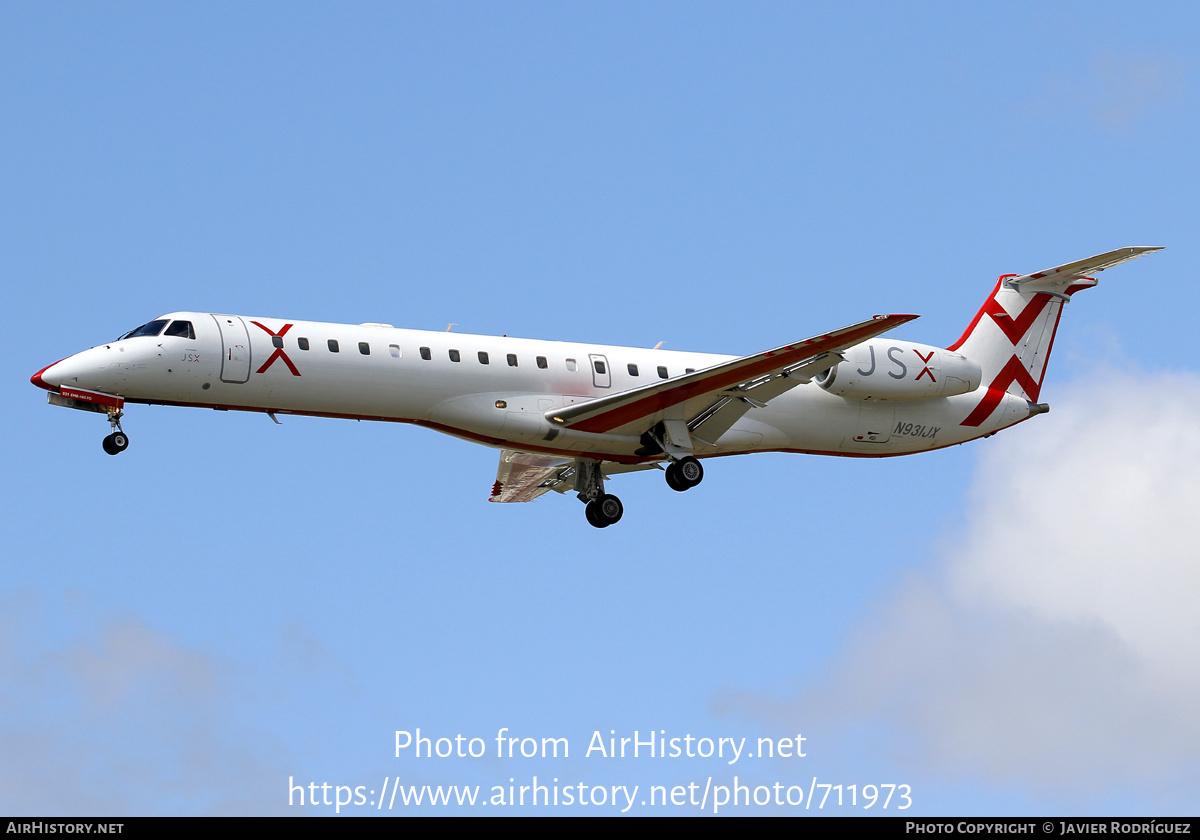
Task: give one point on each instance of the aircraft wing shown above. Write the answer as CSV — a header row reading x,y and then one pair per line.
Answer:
x,y
1063,275
700,399
523,476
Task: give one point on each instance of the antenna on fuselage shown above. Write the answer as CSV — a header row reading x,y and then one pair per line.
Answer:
x,y
450,327
659,345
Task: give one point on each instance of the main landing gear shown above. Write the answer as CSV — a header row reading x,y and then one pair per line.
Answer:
x,y
602,508
604,511
118,441
684,474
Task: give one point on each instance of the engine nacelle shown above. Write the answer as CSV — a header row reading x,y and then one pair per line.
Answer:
x,y
880,369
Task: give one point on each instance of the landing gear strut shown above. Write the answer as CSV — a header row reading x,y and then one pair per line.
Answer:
x,y
684,474
118,441
602,508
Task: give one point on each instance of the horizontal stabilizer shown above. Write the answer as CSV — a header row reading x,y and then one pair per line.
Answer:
x,y
1064,275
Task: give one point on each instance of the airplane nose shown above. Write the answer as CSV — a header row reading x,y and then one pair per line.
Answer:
x,y
46,378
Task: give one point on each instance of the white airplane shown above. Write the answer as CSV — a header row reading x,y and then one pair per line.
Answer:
x,y
567,416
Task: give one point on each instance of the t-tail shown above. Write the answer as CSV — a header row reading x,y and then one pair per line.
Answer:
x,y
1013,332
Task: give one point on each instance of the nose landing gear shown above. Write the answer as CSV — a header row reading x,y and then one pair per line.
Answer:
x,y
118,441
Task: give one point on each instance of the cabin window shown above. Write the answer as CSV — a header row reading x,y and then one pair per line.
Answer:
x,y
394,349
600,368
541,362
277,342
425,354
181,329
455,356
483,358
364,348
303,343
689,370
633,371
662,371
333,346
572,366
512,359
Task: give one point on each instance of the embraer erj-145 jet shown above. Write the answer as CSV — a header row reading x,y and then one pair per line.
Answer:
x,y
567,416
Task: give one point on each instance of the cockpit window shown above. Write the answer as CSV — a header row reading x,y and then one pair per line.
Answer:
x,y
153,328
182,329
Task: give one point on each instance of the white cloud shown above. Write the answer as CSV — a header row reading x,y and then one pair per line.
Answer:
x,y
121,720
1057,649
1114,91
1126,87
1091,518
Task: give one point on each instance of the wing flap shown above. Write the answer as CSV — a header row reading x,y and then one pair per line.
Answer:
x,y
691,394
523,476
719,416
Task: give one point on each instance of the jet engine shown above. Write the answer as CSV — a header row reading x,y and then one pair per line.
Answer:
x,y
900,370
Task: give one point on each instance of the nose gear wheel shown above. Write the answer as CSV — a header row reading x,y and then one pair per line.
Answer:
x,y
118,441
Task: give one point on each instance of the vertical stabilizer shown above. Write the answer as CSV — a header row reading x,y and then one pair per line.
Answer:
x,y
1013,332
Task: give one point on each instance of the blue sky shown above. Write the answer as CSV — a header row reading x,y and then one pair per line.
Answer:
x,y
232,603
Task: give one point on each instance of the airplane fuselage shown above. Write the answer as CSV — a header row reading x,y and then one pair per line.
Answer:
x,y
498,390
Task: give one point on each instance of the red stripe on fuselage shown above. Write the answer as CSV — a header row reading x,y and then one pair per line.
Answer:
x,y
499,443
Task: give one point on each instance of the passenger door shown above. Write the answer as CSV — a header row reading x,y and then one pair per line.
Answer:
x,y
601,375
235,348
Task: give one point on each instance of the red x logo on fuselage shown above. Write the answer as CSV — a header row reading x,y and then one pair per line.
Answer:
x,y
926,369
278,354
